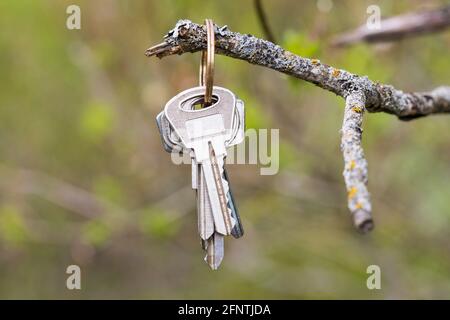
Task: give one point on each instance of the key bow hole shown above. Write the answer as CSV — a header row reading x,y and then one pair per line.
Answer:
x,y
198,103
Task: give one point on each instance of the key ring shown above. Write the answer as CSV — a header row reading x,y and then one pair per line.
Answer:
x,y
206,75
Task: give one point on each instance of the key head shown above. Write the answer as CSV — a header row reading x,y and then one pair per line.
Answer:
x,y
170,145
204,124
239,132
167,147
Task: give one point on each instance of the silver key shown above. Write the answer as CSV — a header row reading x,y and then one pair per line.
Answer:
x,y
238,230
206,131
205,222
204,210
212,241
170,138
171,141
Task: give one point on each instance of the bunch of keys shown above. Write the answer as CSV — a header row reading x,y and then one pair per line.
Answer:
x,y
205,134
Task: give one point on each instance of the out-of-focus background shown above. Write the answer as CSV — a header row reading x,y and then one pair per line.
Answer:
x,y
84,179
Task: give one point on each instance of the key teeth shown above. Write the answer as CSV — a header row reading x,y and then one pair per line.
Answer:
x,y
226,189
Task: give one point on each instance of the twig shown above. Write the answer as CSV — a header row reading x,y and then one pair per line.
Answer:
x,y
79,200
64,194
262,18
402,26
355,168
359,92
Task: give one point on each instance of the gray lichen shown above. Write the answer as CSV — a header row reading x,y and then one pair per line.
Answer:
x,y
355,169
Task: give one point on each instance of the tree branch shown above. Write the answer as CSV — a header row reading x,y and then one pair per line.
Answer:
x,y
191,37
360,93
355,169
398,27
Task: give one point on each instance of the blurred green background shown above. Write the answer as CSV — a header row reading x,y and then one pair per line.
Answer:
x,y
84,179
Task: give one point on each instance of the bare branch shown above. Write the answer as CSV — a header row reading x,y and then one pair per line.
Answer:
x,y
57,191
402,26
262,18
76,199
355,169
191,37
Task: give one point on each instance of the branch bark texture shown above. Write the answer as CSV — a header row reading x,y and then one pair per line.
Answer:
x,y
355,168
360,92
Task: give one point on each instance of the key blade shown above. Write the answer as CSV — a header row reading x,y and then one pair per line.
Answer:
x,y
219,223
204,244
215,251
222,189
238,230
204,209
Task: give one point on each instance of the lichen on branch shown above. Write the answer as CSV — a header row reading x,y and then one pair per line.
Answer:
x,y
355,168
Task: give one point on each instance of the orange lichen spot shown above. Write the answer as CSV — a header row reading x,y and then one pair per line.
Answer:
x,y
352,192
357,109
352,164
335,72
314,61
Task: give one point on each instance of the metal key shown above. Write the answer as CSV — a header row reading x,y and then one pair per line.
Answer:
x,y
204,214
205,218
238,230
217,138
206,131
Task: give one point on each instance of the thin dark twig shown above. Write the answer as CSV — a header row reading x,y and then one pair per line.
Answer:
x,y
262,18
